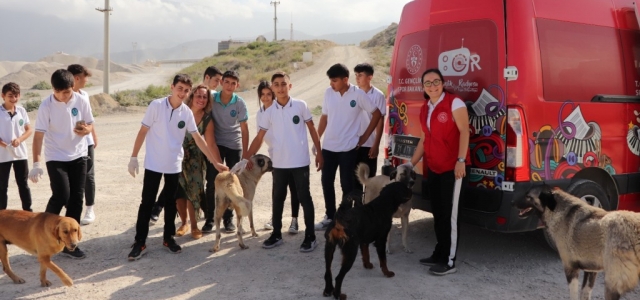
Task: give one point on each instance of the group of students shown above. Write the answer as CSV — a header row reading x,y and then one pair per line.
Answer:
x,y
64,125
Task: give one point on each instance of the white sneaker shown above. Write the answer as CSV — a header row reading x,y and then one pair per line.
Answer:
x,y
293,229
89,216
322,225
269,225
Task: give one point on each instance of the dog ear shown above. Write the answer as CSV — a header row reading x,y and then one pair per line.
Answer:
x,y
79,233
547,198
260,162
393,174
56,231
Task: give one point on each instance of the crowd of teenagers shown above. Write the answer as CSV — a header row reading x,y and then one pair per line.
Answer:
x,y
197,132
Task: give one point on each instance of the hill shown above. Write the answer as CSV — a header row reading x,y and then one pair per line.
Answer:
x,y
380,48
258,60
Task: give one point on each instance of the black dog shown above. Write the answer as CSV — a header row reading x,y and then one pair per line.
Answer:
x,y
361,226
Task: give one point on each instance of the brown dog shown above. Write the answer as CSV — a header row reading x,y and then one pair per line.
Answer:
x,y
40,234
237,191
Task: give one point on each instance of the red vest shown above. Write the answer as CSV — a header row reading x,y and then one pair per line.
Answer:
x,y
441,143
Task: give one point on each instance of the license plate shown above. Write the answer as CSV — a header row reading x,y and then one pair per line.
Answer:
x,y
404,146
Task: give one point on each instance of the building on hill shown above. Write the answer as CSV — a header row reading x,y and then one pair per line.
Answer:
x,y
230,44
261,39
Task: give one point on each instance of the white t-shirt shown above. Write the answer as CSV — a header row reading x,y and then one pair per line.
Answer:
x,y
290,148
167,129
57,120
378,100
343,118
268,137
89,137
11,128
455,104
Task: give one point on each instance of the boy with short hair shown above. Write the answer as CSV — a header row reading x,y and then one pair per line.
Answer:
x,y
63,121
290,157
80,74
211,78
345,104
15,128
230,117
164,126
368,152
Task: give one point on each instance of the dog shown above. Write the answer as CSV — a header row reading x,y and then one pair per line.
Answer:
x,y
361,226
236,191
40,234
590,239
373,186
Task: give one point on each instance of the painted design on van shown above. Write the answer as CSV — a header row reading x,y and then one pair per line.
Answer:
x,y
487,123
398,119
456,62
575,144
633,135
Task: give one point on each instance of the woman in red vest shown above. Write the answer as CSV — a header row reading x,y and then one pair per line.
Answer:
x,y
445,147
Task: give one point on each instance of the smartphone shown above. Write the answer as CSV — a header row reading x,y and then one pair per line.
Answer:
x,y
80,124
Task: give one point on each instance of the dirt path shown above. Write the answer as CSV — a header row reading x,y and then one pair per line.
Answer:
x,y
490,265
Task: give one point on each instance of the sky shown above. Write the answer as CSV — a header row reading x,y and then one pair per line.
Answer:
x,y
157,23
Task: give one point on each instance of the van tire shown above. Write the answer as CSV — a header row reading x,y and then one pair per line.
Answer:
x,y
588,191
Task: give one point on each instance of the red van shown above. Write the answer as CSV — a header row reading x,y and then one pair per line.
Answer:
x,y
552,93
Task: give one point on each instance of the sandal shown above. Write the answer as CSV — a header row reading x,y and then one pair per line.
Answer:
x,y
182,230
196,233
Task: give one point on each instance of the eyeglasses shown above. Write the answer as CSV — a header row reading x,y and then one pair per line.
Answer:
x,y
436,82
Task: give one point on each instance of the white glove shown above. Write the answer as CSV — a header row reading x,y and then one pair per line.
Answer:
x,y
240,166
133,166
314,150
408,164
12,150
36,172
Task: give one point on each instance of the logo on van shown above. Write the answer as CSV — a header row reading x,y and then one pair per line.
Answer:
x,y
457,62
414,59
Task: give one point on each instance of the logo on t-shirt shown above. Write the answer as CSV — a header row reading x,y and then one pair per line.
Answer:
x,y
181,124
21,122
74,111
352,103
442,117
296,119
233,113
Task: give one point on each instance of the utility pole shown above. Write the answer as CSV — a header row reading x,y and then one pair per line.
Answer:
x,y
135,52
291,37
275,19
107,11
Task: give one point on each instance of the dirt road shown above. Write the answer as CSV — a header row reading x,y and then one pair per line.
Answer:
x,y
490,265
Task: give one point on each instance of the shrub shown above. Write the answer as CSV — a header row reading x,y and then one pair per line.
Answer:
x,y
42,85
31,105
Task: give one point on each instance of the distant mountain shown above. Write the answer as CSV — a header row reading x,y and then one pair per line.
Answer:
x,y
338,38
188,50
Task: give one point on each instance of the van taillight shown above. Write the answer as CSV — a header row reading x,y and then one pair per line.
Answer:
x,y
517,158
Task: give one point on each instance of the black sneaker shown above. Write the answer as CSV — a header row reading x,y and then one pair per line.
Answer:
x,y
207,227
229,227
429,261
172,246
75,254
155,214
137,250
272,241
309,243
442,269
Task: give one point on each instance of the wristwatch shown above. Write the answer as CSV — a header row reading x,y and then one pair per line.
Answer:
x,y
462,160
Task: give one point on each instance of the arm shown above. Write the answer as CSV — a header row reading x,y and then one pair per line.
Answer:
x,y
255,145
372,125
322,126
316,143
136,146
210,138
27,133
95,138
461,117
417,155
37,145
3,144
202,144
373,153
86,129
244,129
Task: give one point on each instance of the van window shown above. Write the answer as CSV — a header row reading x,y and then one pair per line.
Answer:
x,y
579,61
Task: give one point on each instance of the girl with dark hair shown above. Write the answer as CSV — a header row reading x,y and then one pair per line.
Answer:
x,y
445,146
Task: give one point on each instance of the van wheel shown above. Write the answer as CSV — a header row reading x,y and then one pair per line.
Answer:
x,y
588,191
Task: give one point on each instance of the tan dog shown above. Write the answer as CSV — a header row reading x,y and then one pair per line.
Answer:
x,y
590,239
373,186
237,191
40,234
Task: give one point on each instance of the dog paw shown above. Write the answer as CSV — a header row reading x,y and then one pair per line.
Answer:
x,y
67,281
407,250
342,297
389,251
214,249
243,246
18,280
389,274
254,234
327,293
45,283
368,265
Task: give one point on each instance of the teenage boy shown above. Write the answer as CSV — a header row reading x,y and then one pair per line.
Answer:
x,y
80,75
287,120
344,104
14,130
230,117
368,152
164,126
211,78
64,120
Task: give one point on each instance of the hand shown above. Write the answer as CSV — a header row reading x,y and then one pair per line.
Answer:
x,y
240,166
95,143
314,151
220,167
36,172
319,162
12,150
81,131
408,164
459,171
373,152
361,141
133,166
15,142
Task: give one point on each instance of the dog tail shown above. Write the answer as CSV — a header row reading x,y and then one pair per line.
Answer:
x,y
362,172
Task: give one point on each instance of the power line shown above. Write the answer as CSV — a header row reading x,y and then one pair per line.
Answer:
x,y
275,19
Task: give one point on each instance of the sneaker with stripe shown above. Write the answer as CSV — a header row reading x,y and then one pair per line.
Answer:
x,y
137,250
172,246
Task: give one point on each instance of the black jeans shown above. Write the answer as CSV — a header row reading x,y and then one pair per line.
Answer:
x,y
444,207
347,163
21,174
300,178
230,157
67,180
363,157
151,184
90,186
